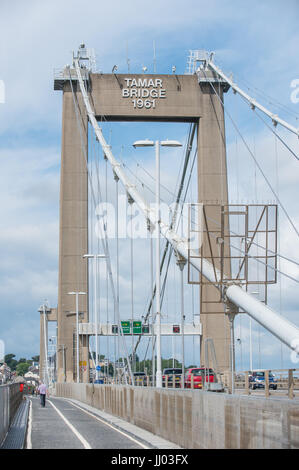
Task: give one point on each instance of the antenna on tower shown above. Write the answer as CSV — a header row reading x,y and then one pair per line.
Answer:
x,y
127,57
154,47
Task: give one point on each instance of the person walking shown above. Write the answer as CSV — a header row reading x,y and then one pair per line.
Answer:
x,y
42,389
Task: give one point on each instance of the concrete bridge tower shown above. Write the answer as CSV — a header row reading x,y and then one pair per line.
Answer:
x,y
172,98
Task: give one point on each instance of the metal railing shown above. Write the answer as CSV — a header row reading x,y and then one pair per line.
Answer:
x,y
285,383
172,381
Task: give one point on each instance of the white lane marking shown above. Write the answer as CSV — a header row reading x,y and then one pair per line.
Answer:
x,y
111,426
77,434
29,430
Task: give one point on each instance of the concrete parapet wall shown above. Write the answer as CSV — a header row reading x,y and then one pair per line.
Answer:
x,y
10,399
197,419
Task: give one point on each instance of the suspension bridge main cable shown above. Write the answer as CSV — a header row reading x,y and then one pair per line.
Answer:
x,y
253,103
274,132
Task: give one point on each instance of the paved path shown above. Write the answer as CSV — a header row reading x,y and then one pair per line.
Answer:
x,y
65,425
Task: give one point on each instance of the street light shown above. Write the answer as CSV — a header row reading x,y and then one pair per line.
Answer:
x,y
95,258
250,335
157,144
77,328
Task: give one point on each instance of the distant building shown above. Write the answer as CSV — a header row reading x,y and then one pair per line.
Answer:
x,y
32,376
5,374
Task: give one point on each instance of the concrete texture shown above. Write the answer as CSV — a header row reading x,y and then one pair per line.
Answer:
x,y
197,419
73,230
182,100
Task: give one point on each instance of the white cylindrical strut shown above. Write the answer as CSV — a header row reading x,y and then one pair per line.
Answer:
x,y
253,103
284,330
287,332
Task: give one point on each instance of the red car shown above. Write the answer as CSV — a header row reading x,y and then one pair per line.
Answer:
x,y
198,376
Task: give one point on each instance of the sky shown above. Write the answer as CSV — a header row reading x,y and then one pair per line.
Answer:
x,y
256,41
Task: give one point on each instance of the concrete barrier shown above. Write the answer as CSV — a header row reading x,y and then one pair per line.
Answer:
x,y
197,419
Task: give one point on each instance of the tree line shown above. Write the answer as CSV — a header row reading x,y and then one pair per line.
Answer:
x,y
20,366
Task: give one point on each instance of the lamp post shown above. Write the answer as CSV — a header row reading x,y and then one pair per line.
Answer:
x,y
95,257
157,144
77,328
250,336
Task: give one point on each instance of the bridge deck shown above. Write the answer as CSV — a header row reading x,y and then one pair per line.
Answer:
x,y
62,425
65,424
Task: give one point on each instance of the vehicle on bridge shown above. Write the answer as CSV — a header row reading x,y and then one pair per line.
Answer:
x,y
257,380
139,378
199,375
170,374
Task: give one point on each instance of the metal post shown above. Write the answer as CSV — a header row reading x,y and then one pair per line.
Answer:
x,y
181,263
158,320
250,344
232,339
152,309
267,392
247,383
96,312
77,333
63,359
290,384
46,371
117,284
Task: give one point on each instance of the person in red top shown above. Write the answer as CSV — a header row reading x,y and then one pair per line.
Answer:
x,y
21,387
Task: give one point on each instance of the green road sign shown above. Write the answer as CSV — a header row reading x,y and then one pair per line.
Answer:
x,y
126,327
137,328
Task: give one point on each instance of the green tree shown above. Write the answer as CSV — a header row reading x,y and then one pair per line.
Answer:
x,y
10,361
22,368
35,358
110,369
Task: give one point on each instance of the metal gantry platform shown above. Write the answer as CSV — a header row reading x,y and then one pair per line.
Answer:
x,y
167,329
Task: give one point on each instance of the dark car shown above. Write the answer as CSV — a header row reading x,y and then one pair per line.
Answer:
x,y
139,378
257,380
169,374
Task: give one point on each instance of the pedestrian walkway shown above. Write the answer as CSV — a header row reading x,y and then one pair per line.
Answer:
x,y
66,424
15,438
